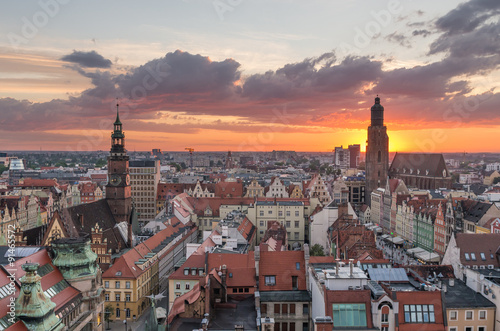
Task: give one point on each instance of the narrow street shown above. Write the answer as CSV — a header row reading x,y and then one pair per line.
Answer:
x,y
395,254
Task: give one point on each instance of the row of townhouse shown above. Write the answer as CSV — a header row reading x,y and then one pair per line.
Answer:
x,y
427,222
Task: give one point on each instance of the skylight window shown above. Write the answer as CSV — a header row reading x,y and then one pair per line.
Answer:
x,y
483,257
473,256
467,257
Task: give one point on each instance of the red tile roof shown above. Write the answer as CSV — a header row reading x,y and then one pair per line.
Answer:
x,y
126,263
30,182
247,230
241,266
477,243
179,303
193,261
282,265
229,189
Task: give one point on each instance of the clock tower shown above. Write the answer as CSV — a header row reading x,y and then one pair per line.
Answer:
x,y
118,190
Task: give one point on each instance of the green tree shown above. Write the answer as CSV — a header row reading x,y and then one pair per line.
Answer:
x,y
176,165
108,313
3,168
314,165
100,163
317,250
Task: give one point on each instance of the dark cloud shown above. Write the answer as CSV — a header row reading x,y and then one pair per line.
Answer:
x,y
87,59
468,16
181,73
306,79
482,42
398,38
423,32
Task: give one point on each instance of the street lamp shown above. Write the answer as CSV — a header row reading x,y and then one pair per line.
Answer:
x,y
125,323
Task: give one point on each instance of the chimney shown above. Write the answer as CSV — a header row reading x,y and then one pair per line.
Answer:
x,y
451,282
323,323
257,260
267,323
343,209
337,266
351,266
80,218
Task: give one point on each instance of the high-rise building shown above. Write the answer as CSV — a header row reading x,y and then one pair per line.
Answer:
x,y
144,177
342,157
354,155
377,150
118,190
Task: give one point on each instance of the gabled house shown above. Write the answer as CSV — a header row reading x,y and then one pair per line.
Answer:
x,y
283,295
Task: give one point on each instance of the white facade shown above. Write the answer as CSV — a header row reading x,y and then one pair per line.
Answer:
x,y
488,289
321,221
277,189
493,166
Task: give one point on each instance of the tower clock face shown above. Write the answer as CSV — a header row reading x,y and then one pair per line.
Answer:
x,y
115,180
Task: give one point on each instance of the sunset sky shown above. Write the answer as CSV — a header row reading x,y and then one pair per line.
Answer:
x,y
249,75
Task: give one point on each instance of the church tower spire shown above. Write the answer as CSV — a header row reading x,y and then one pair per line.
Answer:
x,y
118,136
118,190
377,151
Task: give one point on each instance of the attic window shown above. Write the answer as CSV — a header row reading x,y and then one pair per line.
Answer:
x,y
118,273
473,256
186,271
230,275
483,257
467,258
297,265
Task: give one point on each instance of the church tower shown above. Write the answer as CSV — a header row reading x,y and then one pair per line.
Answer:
x,y
118,190
377,151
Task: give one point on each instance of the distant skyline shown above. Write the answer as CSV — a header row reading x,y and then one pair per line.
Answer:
x,y
242,75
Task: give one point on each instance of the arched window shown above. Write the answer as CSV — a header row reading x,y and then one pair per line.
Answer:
x,y
379,158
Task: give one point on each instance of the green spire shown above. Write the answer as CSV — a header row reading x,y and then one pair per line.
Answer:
x,y
117,115
33,307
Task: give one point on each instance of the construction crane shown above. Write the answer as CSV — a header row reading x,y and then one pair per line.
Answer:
x,y
190,150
